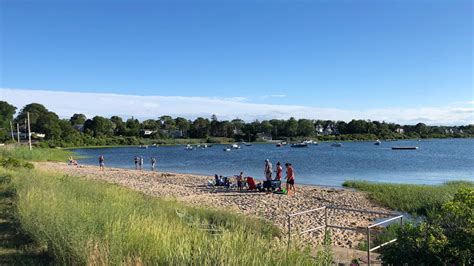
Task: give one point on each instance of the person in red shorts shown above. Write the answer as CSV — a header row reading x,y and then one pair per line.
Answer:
x,y
290,178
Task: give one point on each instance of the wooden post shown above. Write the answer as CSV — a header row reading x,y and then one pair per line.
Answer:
x,y
11,128
289,231
18,132
29,129
368,246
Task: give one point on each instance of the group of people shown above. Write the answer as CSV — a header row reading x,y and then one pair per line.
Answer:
x,y
290,174
139,163
268,172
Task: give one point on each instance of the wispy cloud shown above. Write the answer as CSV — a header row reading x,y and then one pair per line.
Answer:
x,y
275,96
105,104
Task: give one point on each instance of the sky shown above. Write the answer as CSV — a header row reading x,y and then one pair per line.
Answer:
x,y
399,61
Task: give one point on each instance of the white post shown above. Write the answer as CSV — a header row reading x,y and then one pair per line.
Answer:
x,y
18,132
29,129
11,129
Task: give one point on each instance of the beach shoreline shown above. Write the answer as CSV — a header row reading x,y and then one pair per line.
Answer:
x,y
192,189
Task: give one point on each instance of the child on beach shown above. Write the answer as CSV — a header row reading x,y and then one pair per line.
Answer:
x,y
101,163
290,178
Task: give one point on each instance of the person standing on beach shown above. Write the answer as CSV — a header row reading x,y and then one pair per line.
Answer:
x,y
290,178
153,162
101,163
140,163
240,179
268,170
279,171
136,162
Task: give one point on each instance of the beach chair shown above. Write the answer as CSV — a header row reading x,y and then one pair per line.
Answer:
x,y
251,183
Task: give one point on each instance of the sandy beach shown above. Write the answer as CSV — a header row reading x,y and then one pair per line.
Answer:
x,y
192,189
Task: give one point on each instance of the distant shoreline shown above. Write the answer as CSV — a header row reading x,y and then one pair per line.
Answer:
x,y
192,143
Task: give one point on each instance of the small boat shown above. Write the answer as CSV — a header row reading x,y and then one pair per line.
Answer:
x,y
235,146
143,147
315,143
378,142
227,149
336,144
405,148
279,145
155,145
299,145
284,143
189,147
307,141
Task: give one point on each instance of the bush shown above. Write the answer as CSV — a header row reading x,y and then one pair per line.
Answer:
x,y
446,237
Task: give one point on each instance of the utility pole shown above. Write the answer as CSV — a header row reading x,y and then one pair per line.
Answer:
x,y
29,129
11,129
18,132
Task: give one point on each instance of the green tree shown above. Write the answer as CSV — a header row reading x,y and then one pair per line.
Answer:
x,y
291,127
99,126
6,114
77,119
48,123
182,124
305,128
35,110
200,128
119,126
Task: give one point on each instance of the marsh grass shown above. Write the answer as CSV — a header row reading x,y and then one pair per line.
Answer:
x,y
37,154
91,222
413,199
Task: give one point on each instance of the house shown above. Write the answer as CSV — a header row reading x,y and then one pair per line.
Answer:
x,y
399,130
264,136
79,127
319,129
146,132
176,134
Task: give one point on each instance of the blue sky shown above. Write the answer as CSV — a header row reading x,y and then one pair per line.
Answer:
x,y
351,55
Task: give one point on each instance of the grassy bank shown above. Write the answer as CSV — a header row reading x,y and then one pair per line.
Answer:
x,y
37,154
79,221
413,199
83,222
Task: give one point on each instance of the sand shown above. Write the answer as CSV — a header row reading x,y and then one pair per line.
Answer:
x,y
192,189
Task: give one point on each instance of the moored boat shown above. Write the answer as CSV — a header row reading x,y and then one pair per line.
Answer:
x,y
406,148
377,142
189,147
299,145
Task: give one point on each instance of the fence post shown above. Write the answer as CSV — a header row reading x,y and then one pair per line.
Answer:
x,y
289,231
368,246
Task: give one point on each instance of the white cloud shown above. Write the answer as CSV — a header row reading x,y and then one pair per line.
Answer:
x,y
275,96
67,103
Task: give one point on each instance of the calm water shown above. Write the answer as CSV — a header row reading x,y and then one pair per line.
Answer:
x,y
436,161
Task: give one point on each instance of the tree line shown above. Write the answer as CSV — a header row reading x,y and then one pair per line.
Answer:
x,y
80,130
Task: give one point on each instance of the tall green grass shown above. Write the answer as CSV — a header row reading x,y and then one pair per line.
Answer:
x,y
91,222
37,154
413,199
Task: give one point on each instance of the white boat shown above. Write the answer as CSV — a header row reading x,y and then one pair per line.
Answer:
x,y
235,146
227,149
378,142
308,141
189,147
336,144
143,147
